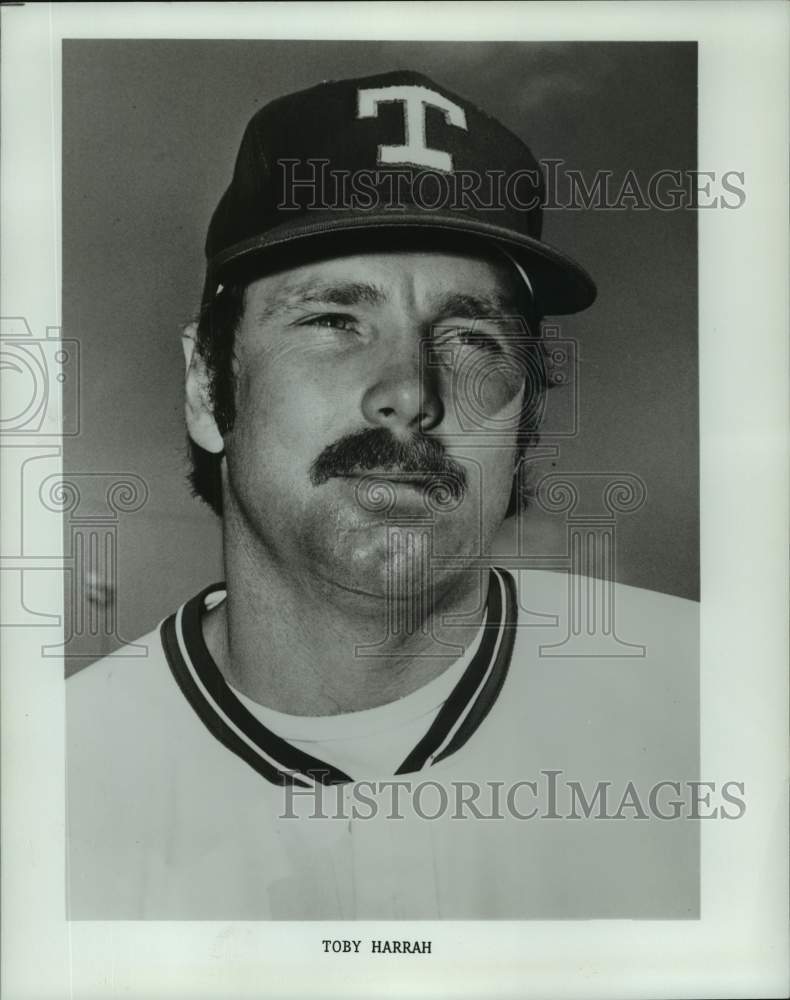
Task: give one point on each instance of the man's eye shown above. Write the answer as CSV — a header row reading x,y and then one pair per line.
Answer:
x,y
333,321
469,337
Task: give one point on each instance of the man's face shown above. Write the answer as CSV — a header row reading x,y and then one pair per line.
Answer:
x,y
377,404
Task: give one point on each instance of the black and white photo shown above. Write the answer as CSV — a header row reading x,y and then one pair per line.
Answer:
x,y
381,710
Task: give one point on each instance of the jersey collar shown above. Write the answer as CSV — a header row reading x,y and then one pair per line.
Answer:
x,y
277,760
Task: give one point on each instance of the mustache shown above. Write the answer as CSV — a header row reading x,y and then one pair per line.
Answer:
x,y
375,449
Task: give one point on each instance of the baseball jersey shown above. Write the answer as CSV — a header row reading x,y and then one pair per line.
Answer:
x,y
521,784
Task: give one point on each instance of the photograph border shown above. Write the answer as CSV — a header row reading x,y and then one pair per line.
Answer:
x,y
739,946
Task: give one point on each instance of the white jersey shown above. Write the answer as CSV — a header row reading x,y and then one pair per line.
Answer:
x,y
528,792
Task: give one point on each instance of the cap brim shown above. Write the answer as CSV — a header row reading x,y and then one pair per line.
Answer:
x,y
561,285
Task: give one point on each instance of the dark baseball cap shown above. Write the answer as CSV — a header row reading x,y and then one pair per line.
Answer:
x,y
393,153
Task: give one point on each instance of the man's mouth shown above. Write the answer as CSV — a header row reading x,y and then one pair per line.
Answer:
x,y
418,480
384,489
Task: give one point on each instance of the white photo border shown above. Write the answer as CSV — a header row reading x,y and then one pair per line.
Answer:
x,y
739,946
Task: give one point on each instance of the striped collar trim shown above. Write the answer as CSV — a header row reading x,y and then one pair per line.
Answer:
x,y
281,763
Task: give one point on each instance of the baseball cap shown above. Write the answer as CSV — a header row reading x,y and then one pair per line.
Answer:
x,y
392,153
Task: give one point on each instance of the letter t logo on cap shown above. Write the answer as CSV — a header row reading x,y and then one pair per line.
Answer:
x,y
415,100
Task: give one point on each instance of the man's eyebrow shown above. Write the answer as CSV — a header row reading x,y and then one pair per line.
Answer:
x,y
334,293
472,306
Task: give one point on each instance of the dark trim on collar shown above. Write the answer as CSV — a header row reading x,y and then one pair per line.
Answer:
x,y
223,713
277,760
463,692
490,690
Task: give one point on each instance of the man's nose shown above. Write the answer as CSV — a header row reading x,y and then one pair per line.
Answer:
x,y
405,399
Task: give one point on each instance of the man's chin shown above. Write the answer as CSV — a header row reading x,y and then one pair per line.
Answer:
x,y
388,562
384,587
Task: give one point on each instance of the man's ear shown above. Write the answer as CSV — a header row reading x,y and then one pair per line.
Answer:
x,y
199,417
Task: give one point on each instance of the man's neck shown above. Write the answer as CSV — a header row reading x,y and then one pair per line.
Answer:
x,y
305,646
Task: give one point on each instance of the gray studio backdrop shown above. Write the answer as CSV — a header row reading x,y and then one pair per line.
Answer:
x,y
150,134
